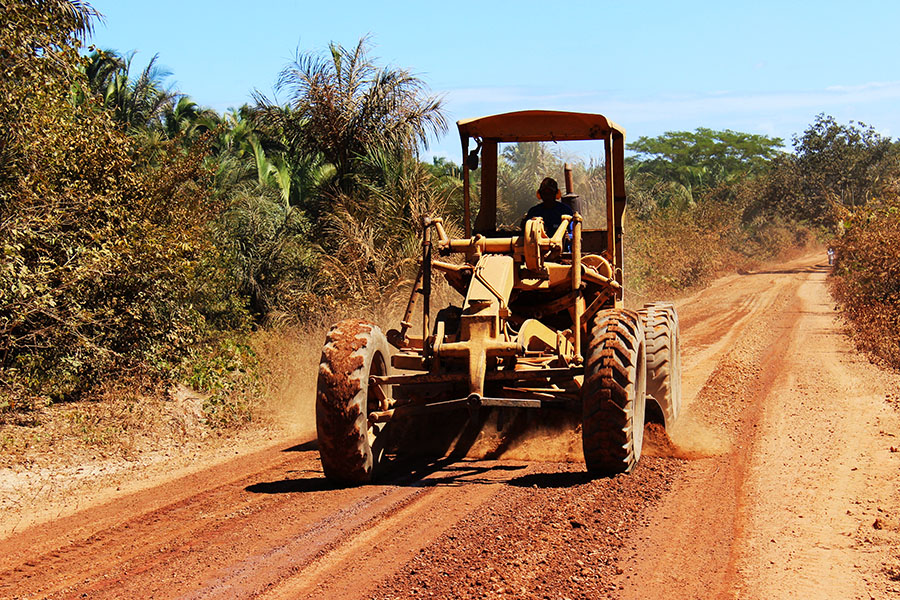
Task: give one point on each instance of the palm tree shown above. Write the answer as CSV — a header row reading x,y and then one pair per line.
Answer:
x,y
522,167
139,103
343,106
253,147
101,69
373,251
186,117
268,245
78,14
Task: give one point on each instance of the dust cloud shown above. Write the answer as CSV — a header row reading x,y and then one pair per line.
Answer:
x,y
557,438
290,368
688,438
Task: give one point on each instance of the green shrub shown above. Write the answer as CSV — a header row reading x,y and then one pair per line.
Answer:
x,y
228,372
107,262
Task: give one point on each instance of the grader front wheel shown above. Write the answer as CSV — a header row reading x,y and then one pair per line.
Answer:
x,y
614,392
349,447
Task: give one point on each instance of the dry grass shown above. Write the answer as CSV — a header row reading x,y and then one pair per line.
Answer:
x,y
675,252
118,422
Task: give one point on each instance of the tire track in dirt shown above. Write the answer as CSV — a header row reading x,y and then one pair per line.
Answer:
x,y
135,535
390,540
47,536
324,537
252,535
693,532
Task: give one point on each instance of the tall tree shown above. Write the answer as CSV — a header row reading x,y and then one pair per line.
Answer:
x,y
187,118
138,103
704,157
847,162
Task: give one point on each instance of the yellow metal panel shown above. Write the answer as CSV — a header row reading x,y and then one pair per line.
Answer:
x,y
492,283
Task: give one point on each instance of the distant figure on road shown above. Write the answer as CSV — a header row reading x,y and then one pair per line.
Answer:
x,y
831,257
550,209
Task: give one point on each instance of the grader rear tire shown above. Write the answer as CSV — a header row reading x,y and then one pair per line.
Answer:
x,y
349,447
663,357
614,392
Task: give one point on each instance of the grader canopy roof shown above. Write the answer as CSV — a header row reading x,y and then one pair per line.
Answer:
x,y
538,126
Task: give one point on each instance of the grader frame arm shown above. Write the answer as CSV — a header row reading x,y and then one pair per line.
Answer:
x,y
484,348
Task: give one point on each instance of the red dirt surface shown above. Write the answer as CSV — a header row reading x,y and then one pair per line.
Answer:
x,y
779,481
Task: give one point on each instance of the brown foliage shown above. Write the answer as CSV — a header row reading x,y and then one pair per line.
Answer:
x,y
678,249
866,278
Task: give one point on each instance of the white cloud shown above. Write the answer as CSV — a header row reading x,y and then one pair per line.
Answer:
x,y
862,87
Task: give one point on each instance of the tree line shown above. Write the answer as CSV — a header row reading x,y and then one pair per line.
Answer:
x,y
146,237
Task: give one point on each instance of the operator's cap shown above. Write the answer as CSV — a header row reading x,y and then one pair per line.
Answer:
x,y
549,184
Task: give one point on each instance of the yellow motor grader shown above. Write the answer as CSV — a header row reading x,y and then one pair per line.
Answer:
x,y
542,323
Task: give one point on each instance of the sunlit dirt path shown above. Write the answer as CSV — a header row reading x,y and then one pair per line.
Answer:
x,y
782,484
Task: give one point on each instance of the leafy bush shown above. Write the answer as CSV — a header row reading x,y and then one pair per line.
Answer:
x,y
107,257
271,253
674,249
106,260
228,372
866,278
834,167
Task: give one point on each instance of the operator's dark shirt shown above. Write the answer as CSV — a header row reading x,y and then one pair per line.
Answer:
x,y
552,215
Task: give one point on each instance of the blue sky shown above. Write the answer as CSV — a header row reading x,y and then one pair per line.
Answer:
x,y
763,67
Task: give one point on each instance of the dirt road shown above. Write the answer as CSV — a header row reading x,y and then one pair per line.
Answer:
x,y
782,482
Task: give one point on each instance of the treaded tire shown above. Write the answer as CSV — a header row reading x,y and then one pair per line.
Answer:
x,y
614,392
348,448
663,357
